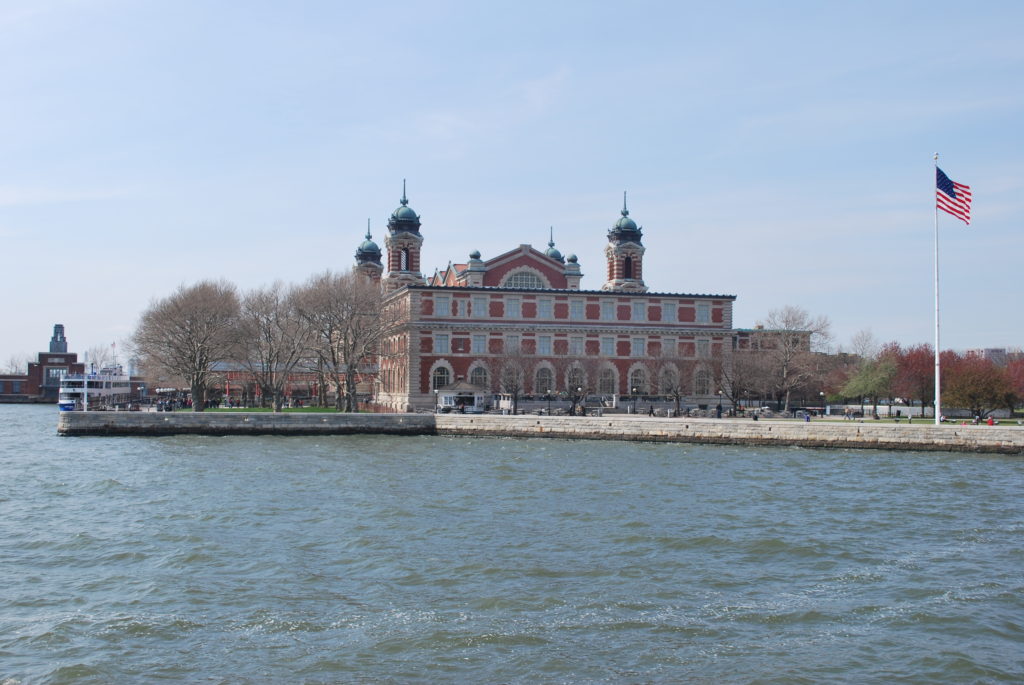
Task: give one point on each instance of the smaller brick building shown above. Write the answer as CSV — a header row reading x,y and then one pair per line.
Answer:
x,y
41,382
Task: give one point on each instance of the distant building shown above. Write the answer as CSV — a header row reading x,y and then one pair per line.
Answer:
x,y
41,382
467,321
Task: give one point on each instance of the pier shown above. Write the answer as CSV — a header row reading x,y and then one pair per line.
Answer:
x,y
868,435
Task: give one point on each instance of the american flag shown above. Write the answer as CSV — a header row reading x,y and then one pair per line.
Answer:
x,y
952,197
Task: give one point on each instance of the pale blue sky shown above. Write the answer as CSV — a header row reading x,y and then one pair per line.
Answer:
x,y
781,152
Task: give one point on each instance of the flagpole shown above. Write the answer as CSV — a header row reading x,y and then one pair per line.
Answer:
x,y
938,405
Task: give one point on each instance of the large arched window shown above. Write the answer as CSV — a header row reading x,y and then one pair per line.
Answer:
x,y
545,381
404,259
606,386
480,378
524,279
627,267
638,381
440,378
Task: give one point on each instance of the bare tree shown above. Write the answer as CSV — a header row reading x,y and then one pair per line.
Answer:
x,y
99,356
273,339
512,373
787,341
17,364
672,374
188,332
348,317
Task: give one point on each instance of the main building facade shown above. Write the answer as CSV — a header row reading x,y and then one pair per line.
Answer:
x,y
520,323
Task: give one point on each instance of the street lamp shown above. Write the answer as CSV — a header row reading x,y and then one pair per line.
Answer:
x,y
579,395
822,395
719,404
437,407
547,395
634,399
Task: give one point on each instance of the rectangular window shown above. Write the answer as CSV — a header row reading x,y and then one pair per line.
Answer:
x,y
545,308
607,310
576,310
479,343
576,346
442,305
607,347
669,311
639,311
703,349
512,343
479,306
703,313
16,387
513,308
544,345
638,347
441,343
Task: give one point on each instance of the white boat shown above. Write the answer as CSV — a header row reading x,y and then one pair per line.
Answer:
x,y
108,388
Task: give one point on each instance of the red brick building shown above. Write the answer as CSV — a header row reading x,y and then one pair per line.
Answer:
x,y
41,382
520,319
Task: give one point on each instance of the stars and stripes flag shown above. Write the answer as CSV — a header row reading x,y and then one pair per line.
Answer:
x,y
952,197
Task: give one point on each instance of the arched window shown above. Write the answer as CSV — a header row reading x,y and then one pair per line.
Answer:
x,y
638,380
545,381
404,259
606,386
701,383
440,379
480,378
524,279
627,267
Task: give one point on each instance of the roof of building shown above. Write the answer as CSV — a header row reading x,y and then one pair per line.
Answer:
x,y
563,291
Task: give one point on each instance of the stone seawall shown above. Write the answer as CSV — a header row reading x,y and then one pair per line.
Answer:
x,y
921,436
240,423
996,439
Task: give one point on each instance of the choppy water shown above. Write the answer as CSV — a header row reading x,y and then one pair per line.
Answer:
x,y
366,559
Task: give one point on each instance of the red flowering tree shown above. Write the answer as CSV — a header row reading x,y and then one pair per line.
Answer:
x,y
915,374
972,382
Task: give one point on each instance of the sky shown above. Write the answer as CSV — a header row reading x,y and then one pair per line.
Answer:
x,y
778,152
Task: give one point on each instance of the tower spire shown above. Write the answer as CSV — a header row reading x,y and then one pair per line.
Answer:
x,y
368,236
625,212
551,240
404,201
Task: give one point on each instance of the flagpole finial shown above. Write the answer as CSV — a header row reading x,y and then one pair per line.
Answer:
x,y
936,156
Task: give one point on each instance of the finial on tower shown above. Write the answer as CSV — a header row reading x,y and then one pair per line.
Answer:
x,y
368,236
404,199
551,240
625,212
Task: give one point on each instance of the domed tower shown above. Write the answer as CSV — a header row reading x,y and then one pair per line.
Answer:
x,y
368,257
403,243
552,251
625,254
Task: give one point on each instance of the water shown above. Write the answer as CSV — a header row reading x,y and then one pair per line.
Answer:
x,y
372,559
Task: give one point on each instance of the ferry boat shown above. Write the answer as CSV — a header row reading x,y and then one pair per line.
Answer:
x,y
110,387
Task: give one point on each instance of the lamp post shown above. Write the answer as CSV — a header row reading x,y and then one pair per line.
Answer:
x,y
719,404
437,407
547,395
822,395
634,399
579,395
